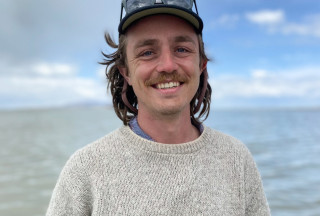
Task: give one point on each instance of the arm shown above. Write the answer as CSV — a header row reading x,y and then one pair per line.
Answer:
x,y
256,202
71,195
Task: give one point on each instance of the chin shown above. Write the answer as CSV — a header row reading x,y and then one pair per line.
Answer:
x,y
171,110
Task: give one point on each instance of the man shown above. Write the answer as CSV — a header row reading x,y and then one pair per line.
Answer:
x,y
163,161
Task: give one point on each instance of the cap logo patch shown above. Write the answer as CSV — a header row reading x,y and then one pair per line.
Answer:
x,y
159,2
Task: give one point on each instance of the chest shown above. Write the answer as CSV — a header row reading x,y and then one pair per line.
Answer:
x,y
170,188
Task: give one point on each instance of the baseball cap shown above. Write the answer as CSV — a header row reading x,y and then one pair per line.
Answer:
x,y
137,9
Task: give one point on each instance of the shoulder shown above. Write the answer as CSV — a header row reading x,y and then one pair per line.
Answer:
x,y
226,145
94,154
221,140
105,143
77,184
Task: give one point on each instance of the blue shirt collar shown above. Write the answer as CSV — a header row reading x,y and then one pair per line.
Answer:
x,y
134,125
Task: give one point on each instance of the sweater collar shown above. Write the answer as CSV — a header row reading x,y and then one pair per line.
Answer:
x,y
136,141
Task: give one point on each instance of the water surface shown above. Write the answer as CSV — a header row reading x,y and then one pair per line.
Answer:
x,y
35,145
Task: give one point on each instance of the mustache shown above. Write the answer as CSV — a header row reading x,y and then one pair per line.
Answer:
x,y
164,77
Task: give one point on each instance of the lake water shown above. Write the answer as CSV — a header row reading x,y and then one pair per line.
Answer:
x,y
35,144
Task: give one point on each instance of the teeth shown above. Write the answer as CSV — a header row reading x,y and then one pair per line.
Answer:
x,y
167,85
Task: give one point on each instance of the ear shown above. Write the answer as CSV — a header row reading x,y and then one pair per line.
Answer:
x,y
203,65
125,74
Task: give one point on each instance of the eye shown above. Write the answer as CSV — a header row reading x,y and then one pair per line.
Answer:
x,y
180,49
147,53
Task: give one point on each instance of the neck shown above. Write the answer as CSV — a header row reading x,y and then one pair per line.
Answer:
x,y
168,129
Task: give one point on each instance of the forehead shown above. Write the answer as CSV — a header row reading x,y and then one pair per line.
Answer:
x,y
160,26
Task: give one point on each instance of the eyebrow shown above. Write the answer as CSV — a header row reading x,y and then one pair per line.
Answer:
x,y
184,39
146,42
177,39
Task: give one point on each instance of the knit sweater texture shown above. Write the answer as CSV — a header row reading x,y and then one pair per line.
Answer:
x,y
124,174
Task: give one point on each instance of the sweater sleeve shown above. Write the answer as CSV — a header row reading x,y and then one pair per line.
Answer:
x,y
256,202
71,195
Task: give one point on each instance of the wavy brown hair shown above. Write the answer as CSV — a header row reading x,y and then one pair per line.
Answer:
x,y
123,97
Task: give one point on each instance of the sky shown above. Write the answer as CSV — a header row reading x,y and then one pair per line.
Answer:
x,y
264,53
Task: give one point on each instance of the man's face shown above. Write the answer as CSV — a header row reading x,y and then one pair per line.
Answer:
x,y
163,64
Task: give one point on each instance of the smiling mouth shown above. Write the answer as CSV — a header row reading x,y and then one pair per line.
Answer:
x,y
167,81
167,85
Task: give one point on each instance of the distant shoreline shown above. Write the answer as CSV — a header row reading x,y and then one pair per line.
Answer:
x,y
213,109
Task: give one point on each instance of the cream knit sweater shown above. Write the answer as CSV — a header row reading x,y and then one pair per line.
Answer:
x,y
124,174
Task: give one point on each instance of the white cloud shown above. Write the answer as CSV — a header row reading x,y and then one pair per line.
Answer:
x,y
275,22
297,83
259,73
63,31
57,29
101,72
36,69
49,84
266,17
46,69
226,20
309,26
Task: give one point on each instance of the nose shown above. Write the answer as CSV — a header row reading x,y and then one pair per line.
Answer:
x,y
167,62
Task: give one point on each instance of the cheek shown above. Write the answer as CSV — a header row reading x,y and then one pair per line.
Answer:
x,y
139,73
192,70
135,79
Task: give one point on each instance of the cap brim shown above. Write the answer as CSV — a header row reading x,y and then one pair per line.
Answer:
x,y
185,14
